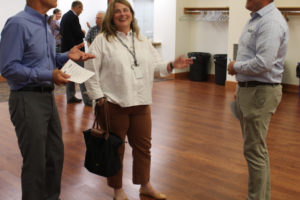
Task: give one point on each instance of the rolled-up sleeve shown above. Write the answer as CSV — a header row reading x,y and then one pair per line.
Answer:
x,y
159,64
93,84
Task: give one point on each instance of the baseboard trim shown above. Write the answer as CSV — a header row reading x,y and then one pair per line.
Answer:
x,y
185,76
290,88
182,75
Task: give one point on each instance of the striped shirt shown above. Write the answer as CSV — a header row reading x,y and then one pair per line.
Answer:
x,y
262,47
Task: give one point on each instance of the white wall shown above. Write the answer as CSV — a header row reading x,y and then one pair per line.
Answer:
x,y
182,33
9,9
144,15
164,27
205,3
238,16
293,55
287,3
194,35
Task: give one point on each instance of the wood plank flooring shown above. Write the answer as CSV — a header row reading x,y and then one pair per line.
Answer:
x,y
196,148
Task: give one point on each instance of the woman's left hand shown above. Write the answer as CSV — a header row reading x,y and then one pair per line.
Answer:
x,y
181,62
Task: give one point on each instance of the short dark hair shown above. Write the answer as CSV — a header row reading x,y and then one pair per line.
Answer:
x,y
76,4
56,10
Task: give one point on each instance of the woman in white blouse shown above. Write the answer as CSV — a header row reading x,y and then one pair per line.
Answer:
x,y
124,70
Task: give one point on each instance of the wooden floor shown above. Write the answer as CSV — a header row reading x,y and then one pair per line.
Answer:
x,y
196,153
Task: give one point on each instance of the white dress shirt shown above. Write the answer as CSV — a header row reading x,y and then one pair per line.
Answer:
x,y
114,77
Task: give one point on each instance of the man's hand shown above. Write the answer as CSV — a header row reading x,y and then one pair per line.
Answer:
x,y
77,55
58,77
230,68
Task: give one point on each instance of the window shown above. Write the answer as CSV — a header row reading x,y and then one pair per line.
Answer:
x,y
144,15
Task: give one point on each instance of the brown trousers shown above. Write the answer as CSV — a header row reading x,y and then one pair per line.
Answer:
x,y
135,122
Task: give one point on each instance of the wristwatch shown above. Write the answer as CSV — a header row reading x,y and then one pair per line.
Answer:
x,y
171,66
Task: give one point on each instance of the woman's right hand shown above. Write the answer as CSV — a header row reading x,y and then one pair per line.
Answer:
x,y
182,62
100,101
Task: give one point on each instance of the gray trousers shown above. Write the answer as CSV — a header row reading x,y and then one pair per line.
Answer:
x,y
38,129
256,105
71,89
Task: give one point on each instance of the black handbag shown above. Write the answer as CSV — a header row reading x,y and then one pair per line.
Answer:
x,y
101,155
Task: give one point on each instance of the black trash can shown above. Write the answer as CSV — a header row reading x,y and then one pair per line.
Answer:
x,y
220,68
199,69
298,70
298,74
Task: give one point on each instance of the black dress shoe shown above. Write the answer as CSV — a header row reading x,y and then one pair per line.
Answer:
x,y
74,100
88,104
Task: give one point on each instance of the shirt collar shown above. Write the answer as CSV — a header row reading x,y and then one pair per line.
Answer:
x,y
263,11
74,12
121,34
35,13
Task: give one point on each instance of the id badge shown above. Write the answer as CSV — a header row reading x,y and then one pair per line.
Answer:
x,y
137,71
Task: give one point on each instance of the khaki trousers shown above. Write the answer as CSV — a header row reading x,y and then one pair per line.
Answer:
x,y
135,122
256,106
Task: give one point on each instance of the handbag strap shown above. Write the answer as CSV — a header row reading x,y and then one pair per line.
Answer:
x,y
107,121
97,120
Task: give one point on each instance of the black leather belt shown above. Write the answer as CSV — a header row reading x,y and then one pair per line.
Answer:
x,y
255,83
36,89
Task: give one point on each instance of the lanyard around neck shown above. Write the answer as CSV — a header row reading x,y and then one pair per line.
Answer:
x,y
131,52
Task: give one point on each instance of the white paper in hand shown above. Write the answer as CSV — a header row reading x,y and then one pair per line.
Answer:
x,y
78,74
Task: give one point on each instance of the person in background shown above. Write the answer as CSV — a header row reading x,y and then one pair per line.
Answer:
x,y
28,62
55,27
93,32
124,72
88,25
259,68
72,34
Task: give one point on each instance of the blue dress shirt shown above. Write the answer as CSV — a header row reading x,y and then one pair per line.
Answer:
x,y
262,47
27,50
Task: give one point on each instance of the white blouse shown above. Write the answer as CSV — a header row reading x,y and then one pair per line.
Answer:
x,y
114,77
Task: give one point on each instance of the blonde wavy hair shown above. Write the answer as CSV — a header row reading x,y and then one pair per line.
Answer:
x,y
108,26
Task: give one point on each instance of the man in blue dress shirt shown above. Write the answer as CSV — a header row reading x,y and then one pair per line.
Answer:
x,y
259,68
29,63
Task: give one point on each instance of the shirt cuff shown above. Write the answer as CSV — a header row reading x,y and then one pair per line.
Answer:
x,y
61,59
64,57
237,66
164,69
45,75
99,94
